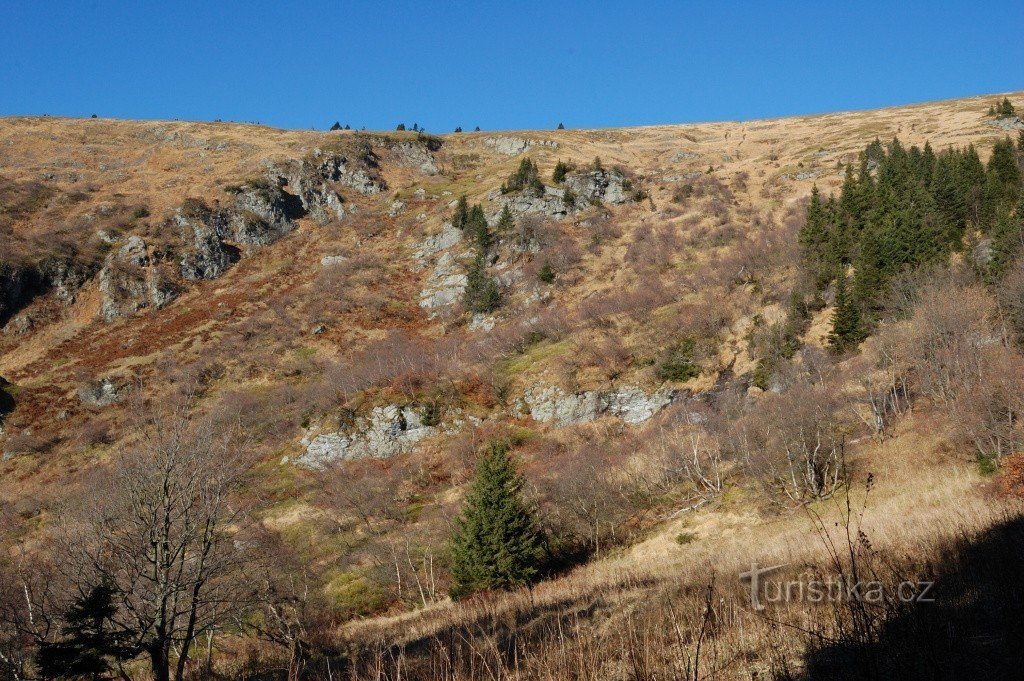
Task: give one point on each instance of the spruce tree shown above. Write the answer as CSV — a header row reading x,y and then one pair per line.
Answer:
x,y
461,216
847,330
561,170
476,226
496,543
505,222
481,294
89,642
336,126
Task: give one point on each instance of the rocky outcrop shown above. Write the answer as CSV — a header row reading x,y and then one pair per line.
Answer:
x,y
205,256
13,283
262,214
445,284
64,277
416,155
551,202
603,185
434,244
130,281
1008,123
387,431
512,146
631,404
99,393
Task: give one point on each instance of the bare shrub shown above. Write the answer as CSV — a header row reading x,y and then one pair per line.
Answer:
x,y
793,442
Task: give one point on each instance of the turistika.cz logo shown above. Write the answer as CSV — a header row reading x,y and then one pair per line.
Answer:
x,y
810,588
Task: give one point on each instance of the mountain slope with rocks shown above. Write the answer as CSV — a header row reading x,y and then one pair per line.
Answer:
x,y
370,309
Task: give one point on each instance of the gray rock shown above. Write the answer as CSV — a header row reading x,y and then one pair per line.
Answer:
x,y
1008,123
513,146
261,214
204,256
129,282
481,322
101,393
386,432
445,284
332,260
442,241
631,404
415,155
602,185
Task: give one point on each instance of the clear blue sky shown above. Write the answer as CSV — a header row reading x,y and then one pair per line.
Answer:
x,y
498,64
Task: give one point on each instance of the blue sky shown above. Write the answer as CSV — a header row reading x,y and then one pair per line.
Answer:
x,y
498,65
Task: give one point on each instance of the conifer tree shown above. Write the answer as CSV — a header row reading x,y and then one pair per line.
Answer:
x,y
476,226
1003,176
505,222
496,543
461,216
561,126
546,273
481,294
336,126
847,330
561,170
89,642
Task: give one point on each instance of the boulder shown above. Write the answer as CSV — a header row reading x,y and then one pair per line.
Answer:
x,y
262,214
1008,123
99,393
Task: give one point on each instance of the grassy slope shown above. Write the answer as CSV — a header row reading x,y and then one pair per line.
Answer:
x,y
158,164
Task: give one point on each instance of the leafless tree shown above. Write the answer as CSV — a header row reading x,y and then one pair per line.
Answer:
x,y
163,525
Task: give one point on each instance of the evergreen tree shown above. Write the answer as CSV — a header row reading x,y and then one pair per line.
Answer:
x,y
458,129
546,273
88,644
481,294
400,127
847,330
336,126
505,222
561,170
526,177
1003,176
1006,108
476,226
561,126
461,216
496,543
1007,241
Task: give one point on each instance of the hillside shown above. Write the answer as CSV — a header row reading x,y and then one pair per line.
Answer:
x,y
628,331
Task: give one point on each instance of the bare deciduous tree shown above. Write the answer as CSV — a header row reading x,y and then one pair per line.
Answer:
x,y
163,527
